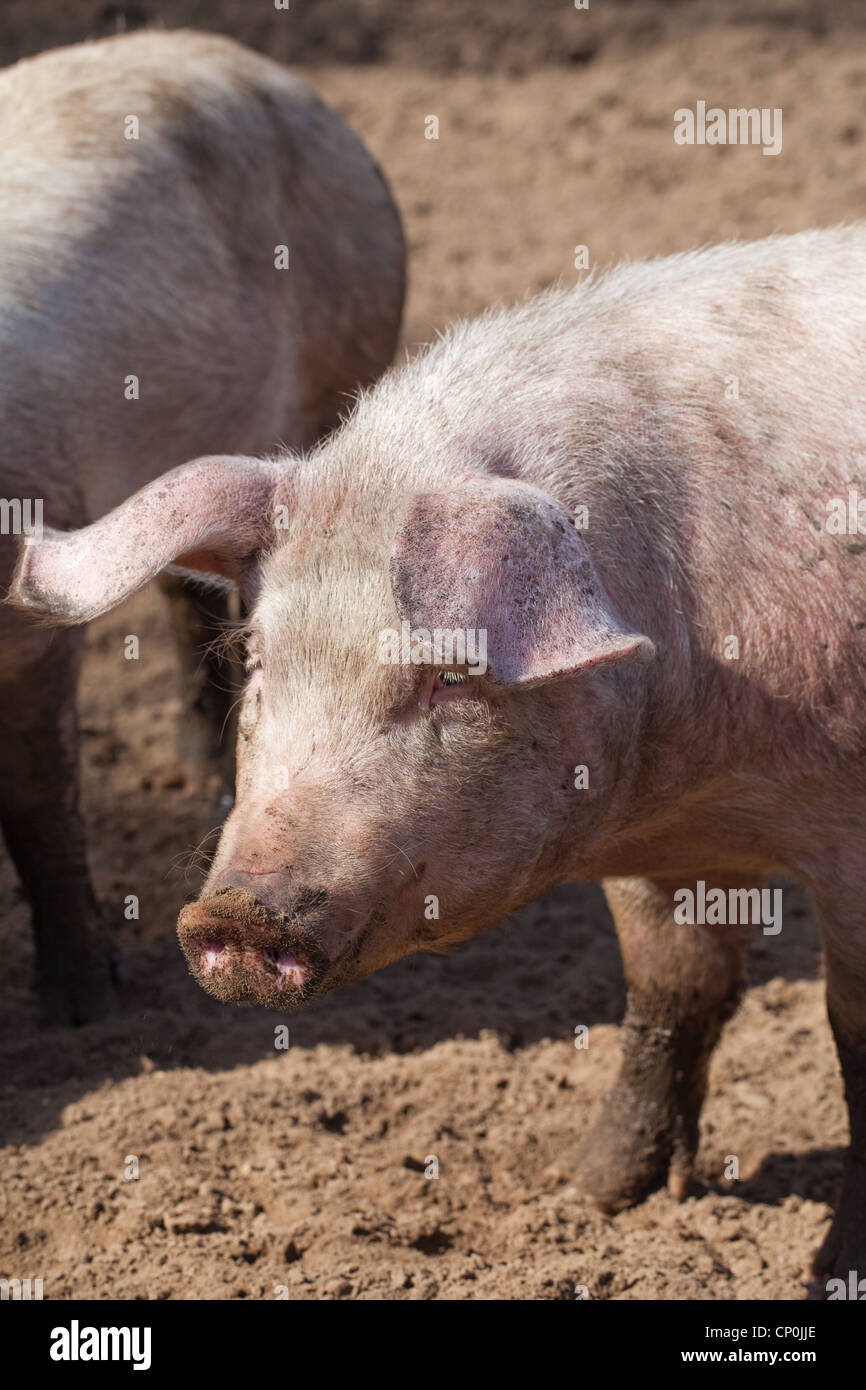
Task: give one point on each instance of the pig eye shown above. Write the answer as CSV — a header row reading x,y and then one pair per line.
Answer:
x,y
252,663
447,685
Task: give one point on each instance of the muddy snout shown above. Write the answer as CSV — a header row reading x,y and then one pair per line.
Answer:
x,y
242,952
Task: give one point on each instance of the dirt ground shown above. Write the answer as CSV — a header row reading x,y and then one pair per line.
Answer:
x,y
303,1169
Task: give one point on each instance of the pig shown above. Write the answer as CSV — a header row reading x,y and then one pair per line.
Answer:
x,y
626,491
196,254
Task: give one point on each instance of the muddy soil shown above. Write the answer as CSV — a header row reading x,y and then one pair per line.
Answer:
x,y
262,1167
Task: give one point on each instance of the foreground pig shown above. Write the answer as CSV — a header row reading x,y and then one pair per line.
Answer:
x,y
697,644
147,186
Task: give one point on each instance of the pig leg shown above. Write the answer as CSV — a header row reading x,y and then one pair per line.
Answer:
x,y
210,678
42,827
684,983
843,933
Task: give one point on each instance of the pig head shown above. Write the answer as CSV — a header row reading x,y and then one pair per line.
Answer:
x,y
427,665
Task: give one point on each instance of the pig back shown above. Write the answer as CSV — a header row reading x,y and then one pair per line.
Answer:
x,y
196,255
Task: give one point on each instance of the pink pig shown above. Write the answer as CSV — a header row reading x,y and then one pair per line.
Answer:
x,y
633,489
196,253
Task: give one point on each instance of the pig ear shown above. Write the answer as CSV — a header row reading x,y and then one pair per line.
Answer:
x,y
500,556
208,516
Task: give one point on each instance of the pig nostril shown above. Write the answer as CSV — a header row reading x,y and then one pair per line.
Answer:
x,y
209,954
230,962
286,966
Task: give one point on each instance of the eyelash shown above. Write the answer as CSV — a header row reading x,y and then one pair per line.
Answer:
x,y
446,684
446,687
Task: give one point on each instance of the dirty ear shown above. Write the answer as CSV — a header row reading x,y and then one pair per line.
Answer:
x,y
501,556
208,517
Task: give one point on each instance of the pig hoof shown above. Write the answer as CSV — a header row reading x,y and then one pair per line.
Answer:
x,y
679,1184
116,968
843,1280
839,1267
837,1270
621,1165
76,1000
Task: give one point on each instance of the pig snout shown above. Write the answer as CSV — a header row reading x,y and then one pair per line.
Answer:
x,y
242,950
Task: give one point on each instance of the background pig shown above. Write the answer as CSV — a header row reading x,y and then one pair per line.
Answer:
x,y
704,410
154,258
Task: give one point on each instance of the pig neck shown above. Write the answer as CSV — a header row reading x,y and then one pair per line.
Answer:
x,y
721,740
